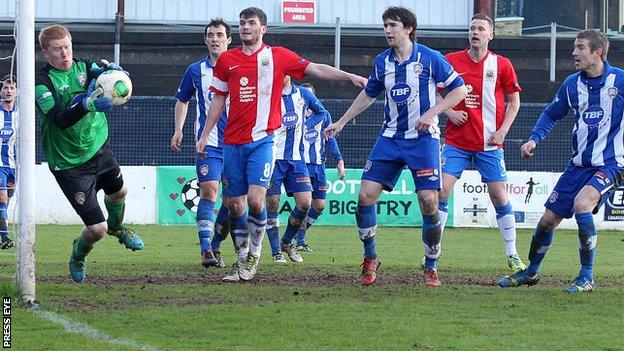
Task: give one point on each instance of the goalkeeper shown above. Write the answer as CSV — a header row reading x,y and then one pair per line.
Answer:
x,y
74,132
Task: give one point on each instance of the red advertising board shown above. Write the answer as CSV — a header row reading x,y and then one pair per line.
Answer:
x,y
299,11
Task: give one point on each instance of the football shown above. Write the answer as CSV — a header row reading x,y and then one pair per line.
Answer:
x,y
190,195
115,85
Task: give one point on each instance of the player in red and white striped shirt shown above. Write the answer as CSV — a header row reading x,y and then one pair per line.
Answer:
x,y
477,127
252,76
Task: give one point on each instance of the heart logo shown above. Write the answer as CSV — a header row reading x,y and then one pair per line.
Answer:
x,y
180,212
181,180
173,196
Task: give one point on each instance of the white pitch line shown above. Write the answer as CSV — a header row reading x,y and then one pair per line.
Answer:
x,y
84,329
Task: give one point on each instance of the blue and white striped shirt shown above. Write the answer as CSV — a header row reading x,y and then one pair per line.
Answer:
x,y
598,105
288,137
410,88
196,81
8,135
314,144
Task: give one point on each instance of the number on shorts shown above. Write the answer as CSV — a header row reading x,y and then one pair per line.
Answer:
x,y
267,170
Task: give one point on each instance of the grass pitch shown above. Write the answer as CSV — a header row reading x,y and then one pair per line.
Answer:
x,y
162,298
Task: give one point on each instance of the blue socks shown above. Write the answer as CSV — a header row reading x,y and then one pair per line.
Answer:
x,y
4,226
431,237
539,246
221,228
273,232
309,221
587,244
294,223
366,219
205,223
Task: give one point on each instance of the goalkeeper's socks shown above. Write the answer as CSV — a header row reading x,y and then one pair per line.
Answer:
x,y
115,213
273,232
221,229
81,249
366,219
307,223
205,223
4,217
587,243
432,239
540,243
294,223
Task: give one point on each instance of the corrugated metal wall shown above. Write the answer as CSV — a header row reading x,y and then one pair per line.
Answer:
x,y
362,12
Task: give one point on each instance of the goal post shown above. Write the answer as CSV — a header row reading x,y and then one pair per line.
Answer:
x,y
26,159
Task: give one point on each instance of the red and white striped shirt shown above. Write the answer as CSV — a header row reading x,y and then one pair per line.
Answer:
x,y
488,81
254,83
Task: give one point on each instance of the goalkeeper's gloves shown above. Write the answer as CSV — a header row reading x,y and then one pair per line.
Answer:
x,y
92,102
104,65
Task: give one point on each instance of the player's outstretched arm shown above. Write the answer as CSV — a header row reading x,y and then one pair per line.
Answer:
x,y
361,103
513,105
214,112
181,108
450,100
327,72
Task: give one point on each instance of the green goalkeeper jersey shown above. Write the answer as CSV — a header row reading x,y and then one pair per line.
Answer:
x,y
71,134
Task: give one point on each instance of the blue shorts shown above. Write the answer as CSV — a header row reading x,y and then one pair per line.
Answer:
x,y
389,157
605,179
247,164
490,164
7,180
318,180
210,167
294,176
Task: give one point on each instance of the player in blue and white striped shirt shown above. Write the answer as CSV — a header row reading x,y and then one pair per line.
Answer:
x,y
9,120
290,167
196,83
314,156
408,72
595,95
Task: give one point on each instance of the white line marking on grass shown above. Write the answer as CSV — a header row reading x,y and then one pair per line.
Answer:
x,y
84,329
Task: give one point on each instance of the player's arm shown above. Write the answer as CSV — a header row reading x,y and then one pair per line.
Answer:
x,y
319,112
50,105
214,113
185,91
361,103
513,105
181,109
457,94
555,111
456,117
327,72
334,150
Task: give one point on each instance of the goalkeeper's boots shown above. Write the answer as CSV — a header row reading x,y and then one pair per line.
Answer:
x,y
232,275
77,269
515,263
248,269
518,278
220,261
304,248
6,244
279,258
430,277
292,253
128,237
581,284
369,271
209,259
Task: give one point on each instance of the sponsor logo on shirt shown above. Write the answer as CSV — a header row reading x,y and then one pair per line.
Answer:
x,y
244,81
400,92
593,115
289,119
311,135
6,133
